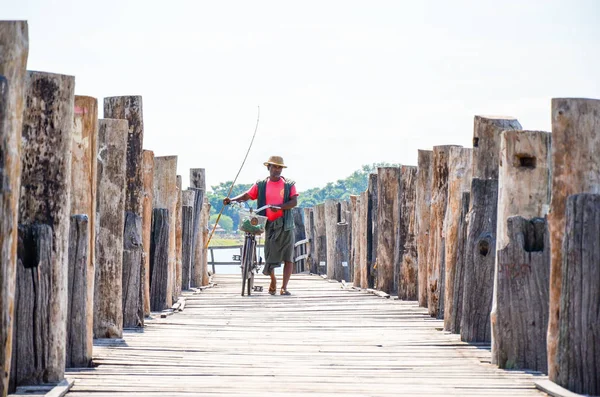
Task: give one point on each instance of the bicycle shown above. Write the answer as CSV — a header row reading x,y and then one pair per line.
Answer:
x,y
252,225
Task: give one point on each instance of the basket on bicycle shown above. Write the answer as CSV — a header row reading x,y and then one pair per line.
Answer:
x,y
251,222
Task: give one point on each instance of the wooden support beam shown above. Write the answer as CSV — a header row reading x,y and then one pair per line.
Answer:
x,y
309,232
355,238
204,219
198,178
130,108
436,269
346,217
372,230
388,224
455,313
577,357
84,162
479,261
486,144
178,241
148,198
79,328
198,238
423,211
299,235
160,282
198,181
165,196
408,276
331,220
363,264
320,253
187,234
111,182
46,157
575,169
14,41
34,355
341,251
459,181
519,317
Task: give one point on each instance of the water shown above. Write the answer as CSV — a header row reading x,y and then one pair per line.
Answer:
x,y
226,255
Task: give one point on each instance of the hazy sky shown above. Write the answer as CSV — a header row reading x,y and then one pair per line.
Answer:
x,y
339,83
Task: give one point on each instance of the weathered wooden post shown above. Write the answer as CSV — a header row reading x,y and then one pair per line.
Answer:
x,y
372,230
459,181
346,217
165,196
299,233
14,49
84,160
44,202
200,273
178,240
481,234
355,240
436,249
79,332
519,317
341,251
110,220
459,273
148,184
309,231
160,280
423,210
204,219
577,356
408,280
187,214
331,221
363,265
575,169
130,108
388,224
320,239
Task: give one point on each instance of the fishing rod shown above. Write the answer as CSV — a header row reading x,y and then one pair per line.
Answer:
x,y
235,179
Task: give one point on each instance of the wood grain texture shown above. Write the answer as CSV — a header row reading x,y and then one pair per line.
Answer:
x,y
79,330
453,314
364,229
575,169
459,181
165,196
354,268
148,185
520,317
178,242
84,164
32,363
435,262
578,358
409,267
14,44
204,219
520,302
159,260
486,144
309,231
372,229
187,235
46,187
320,239
110,208
332,208
423,211
361,345
480,252
388,226
198,239
133,305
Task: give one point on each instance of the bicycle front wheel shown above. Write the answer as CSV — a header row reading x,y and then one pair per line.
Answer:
x,y
246,264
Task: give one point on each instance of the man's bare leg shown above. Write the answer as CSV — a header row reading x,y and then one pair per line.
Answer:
x,y
273,286
287,273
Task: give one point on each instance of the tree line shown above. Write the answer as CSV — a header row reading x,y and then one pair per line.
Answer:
x,y
341,189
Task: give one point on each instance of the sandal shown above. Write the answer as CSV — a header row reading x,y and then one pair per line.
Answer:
x,y
272,289
284,292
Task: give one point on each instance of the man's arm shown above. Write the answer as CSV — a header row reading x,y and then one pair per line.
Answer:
x,y
241,198
289,204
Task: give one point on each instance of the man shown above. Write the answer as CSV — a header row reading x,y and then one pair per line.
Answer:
x,y
279,240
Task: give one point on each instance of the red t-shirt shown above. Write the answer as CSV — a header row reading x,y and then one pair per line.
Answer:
x,y
274,194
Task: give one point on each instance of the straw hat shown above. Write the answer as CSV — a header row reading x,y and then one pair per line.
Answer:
x,y
275,160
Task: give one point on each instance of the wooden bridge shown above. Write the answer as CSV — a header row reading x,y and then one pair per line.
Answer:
x,y
323,340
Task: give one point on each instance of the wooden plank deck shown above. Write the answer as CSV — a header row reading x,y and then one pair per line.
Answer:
x,y
323,340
